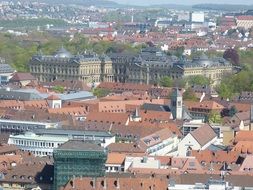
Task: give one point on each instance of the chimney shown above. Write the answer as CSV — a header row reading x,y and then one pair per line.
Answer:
x,y
251,117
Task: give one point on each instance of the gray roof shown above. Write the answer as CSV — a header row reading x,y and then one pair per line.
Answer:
x,y
81,145
155,107
204,134
63,53
6,68
33,94
71,132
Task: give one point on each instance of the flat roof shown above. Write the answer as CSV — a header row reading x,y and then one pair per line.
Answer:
x,y
32,136
81,145
71,132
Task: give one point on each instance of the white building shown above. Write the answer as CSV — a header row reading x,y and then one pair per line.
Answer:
x,y
115,162
18,126
142,162
42,142
5,72
199,139
160,143
211,185
198,17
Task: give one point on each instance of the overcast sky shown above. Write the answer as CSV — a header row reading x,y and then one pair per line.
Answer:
x,y
186,2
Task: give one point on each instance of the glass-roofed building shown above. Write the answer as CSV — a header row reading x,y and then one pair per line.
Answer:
x,y
78,158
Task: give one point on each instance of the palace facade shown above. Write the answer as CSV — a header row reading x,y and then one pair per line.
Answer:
x,y
87,67
146,67
151,65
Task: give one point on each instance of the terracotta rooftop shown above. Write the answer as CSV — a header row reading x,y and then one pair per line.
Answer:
x,y
208,104
114,183
245,17
67,84
155,138
203,134
115,158
103,117
53,97
21,77
7,149
244,147
208,156
243,136
125,148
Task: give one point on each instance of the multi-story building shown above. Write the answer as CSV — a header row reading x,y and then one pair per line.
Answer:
x,y
43,142
7,125
6,72
151,65
87,67
244,21
78,159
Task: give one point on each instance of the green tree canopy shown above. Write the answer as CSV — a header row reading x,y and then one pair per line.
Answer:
x,y
59,89
101,92
189,95
214,117
166,81
198,80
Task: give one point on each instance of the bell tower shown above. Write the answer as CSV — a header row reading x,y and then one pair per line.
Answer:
x,y
176,104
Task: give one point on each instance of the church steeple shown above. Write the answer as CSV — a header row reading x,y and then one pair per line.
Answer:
x,y
177,104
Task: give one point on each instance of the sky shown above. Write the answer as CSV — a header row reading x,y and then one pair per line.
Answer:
x,y
183,2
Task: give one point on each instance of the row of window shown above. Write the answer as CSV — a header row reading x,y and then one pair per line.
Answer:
x,y
36,144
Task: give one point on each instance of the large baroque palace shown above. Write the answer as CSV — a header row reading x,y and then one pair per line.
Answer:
x,y
151,65
87,67
146,67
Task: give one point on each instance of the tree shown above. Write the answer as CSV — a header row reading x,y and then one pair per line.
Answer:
x,y
101,92
214,117
166,81
232,55
225,91
180,83
232,111
198,80
189,95
58,88
179,51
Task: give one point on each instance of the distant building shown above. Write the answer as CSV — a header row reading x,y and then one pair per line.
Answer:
x,y
151,65
22,79
87,67
199,139
198,17
6,72
43,142
26,94
244,21
78,159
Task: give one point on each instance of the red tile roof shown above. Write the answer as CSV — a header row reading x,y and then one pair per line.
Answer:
x,y
245,17
53,97
21,77
204,134
115,158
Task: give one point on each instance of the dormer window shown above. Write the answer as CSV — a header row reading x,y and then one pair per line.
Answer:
x,y
147,141
14,177
156,138
22,177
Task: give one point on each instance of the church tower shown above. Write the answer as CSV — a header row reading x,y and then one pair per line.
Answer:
x,y
177,104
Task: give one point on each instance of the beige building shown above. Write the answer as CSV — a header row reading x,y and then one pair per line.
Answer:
x,y
151,65
244,22
88,67
214,69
